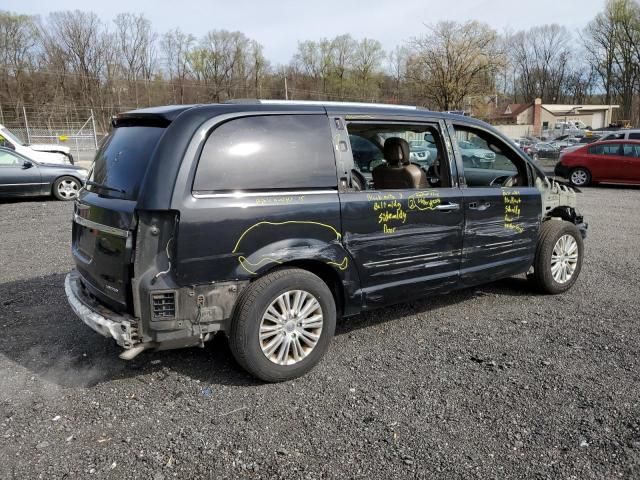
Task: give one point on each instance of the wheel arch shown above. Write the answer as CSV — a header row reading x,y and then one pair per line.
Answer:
x,y
327,273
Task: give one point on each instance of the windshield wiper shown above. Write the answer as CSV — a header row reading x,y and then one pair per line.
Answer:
x,y
104,187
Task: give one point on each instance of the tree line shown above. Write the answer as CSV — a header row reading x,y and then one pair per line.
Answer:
x,y
73,61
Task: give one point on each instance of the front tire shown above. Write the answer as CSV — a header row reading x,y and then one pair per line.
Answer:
x,y
558,258
283,325
66,188
580,177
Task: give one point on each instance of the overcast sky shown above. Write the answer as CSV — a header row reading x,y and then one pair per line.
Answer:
x,y
278,25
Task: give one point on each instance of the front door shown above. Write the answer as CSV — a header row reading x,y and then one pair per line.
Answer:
x,y
607,161
502,210
405,239
18,178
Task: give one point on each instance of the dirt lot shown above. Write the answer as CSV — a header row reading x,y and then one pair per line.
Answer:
x,y
493,382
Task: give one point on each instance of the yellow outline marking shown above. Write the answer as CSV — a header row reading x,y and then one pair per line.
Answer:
x,y
242,260
343,265
430,197
302,222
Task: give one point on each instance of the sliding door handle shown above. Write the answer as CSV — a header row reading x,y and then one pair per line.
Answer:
x,y
448,207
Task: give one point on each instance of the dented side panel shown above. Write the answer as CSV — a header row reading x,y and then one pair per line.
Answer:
x,y
404,244
500,234
241,237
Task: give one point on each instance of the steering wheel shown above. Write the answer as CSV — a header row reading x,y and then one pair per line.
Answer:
x,y
504,181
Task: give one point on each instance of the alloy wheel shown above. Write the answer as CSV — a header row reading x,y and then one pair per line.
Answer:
x,y
579,177
564,259
68,189
291,327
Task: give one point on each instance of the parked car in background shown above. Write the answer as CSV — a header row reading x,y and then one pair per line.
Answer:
x,y
575,128
419,153
526,141
49,153
629,134
475,155
544,150
23,177
616,161
562,143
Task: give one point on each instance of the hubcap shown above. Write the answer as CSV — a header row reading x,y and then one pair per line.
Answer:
x,y
579,177
564,259
291,327
68,189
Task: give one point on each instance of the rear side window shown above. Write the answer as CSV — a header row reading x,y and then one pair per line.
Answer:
x,y
122,161
634,136
268,152
609,149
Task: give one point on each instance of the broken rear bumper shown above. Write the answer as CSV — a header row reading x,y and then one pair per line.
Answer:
x,y
122,328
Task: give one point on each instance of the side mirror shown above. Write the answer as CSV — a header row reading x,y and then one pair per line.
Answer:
x,y
27,164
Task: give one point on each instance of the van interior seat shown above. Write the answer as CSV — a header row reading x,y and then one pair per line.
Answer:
x,y
398,172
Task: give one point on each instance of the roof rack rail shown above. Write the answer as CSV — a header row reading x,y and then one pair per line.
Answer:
x,y
336,104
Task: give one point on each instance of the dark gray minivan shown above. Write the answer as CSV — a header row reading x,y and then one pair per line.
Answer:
x,y
268,220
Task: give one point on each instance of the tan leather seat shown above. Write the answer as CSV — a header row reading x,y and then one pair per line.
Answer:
x,y
398,172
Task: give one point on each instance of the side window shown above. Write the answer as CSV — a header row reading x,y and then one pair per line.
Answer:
x,y
9,160
634,136
283,152
596,150
390,156
612,149
488,161
631,150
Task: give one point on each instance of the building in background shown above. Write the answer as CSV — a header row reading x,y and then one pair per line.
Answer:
x,y
537,118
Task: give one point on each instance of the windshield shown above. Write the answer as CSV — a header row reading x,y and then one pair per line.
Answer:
x,y
122,161
10,136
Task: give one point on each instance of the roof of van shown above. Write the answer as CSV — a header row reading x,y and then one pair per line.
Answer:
x,y
164,115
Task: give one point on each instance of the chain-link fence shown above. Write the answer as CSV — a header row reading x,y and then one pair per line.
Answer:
x,y
76,129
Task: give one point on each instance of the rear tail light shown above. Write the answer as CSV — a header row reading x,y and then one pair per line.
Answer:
x,y
163,305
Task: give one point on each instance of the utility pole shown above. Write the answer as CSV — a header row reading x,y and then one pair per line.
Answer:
x,y
26,124
93,126
286,90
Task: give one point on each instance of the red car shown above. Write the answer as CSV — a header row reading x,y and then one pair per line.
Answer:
x,y
614,161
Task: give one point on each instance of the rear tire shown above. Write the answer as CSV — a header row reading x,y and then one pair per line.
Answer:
x,y
66,188
580,177
261,324
558,258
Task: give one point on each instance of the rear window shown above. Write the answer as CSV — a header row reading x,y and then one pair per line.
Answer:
x,y
122,161
282,152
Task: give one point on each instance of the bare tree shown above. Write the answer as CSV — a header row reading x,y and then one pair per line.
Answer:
x,y
176,47
367,66
78,40
136,50
18,37
343,47
398,59
541,56
219,62
599,39
453,61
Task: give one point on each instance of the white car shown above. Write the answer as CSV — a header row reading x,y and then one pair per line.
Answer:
x,y
43,153
626,134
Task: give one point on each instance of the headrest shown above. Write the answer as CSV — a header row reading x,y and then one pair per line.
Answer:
x,y
396,151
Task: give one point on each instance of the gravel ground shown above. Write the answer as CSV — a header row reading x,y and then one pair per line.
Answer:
x,y
492,382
